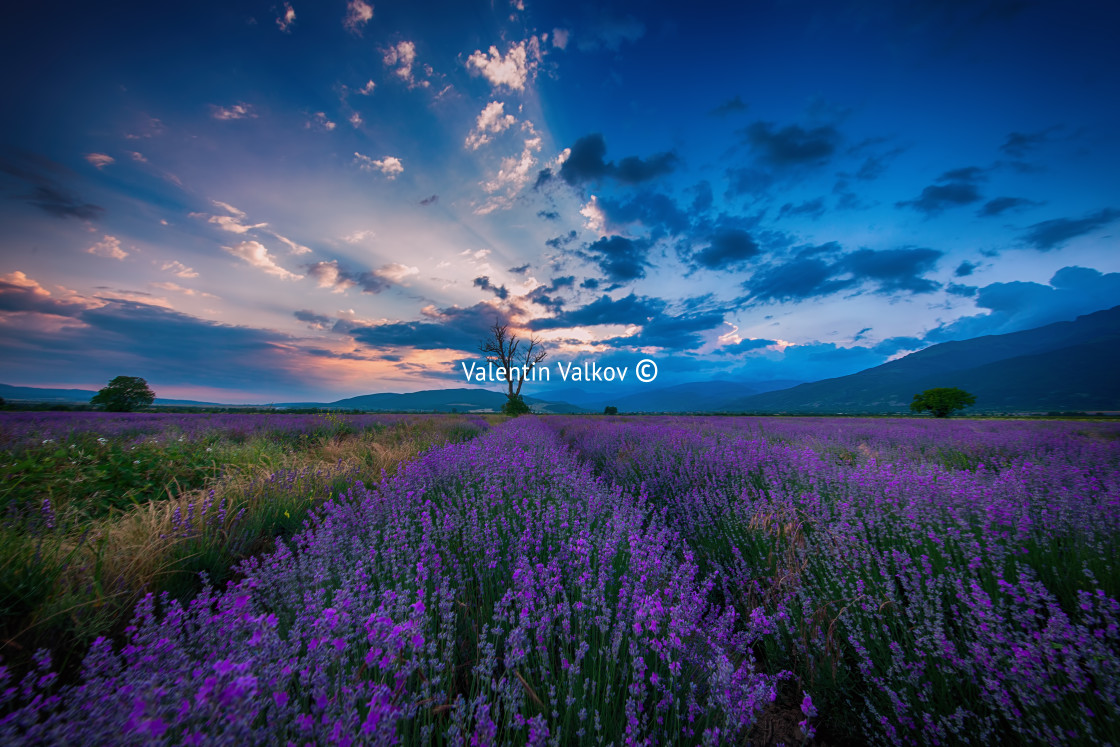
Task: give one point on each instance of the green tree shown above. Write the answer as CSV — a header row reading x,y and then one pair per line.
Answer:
x,y
515,406
124,394
610,410
942,401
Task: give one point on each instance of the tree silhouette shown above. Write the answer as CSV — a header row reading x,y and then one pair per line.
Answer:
x,y
610,410
501,349
942,401
124,394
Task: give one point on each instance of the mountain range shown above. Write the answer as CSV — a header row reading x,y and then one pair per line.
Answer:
x,y
1066,366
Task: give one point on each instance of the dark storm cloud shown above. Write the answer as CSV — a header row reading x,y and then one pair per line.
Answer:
x,y
548,214
791,145
795,280
500,291
965,268
810,208
727,248
42,176
676,333
318,321
452,328
587,162
894,269
590,284
965,291
559,242
656,212
1052,234
520,269
702,197
1021,144
15,297
893,345
630,309
1001,205
1071,292
164,346
430,200
732,106
544,294
819,271
952,189
620,258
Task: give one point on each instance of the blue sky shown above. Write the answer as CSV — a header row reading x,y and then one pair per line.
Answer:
x,y
261,201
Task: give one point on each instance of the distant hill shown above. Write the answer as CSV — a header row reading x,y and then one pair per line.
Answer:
x,y
696,396
77,396
1062,366
440,400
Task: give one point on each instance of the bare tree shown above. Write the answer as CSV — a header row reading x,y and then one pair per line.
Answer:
x,y
504,349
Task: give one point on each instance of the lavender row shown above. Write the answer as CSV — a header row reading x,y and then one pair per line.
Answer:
x,y
494,592
932,604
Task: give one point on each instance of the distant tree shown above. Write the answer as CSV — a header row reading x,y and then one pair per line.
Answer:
x,y
610,410
942,401
504,350
2,403
124,394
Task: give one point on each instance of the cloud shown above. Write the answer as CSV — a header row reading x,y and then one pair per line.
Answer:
x,y
792,145
100,160
320,122
630,309
964,269
810,208
176,288
500,291
1000,205
622,259
237,111
733,105
657,212
255,254
512,177
390,166
1014,306
894,269
358,14
332,275
677,333
560,38
823,270
1021,144
21,294
586,163
453,328
1053,234
315,321
513,70
491,121
402,56
430,200
285,20
62,204
953,189
180,269
233,222
109,247
727,248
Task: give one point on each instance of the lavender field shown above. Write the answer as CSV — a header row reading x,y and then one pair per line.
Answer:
x,y
570,580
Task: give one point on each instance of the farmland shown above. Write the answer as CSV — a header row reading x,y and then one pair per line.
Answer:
x,y
577,580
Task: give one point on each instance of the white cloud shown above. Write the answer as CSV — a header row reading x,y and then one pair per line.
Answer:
x,y
100,160
228,208
328,275
293,246
397,272
176,288
357,236
596,218
513,175
110,247
491,121
232,222
356,119
180,269
511,71
287,18
358,14
257,255
237,111
402,56
367,89
138,157
319,122
560,38
390,166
